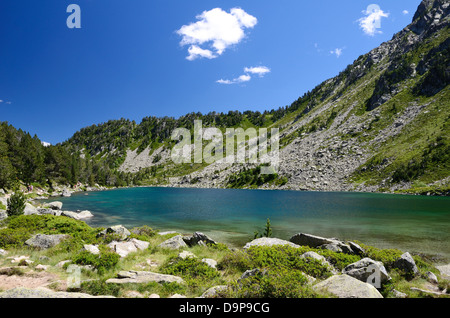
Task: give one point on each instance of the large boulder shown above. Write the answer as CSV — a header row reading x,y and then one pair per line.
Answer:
x,y
125,248
3,215
118,230
173,243
356,248
406,263
198,238
85,215
93,249
43,241
55,205
269,241
304,239
30,209
344,286
141,277
369,271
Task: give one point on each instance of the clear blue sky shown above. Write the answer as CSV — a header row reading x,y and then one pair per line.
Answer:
x,y
131,59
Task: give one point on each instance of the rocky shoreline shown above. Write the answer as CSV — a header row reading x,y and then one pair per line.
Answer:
x,y
326,267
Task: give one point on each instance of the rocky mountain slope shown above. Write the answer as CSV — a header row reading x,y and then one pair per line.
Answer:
x,y
382,124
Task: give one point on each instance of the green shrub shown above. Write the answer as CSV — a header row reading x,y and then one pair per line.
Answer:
x,y
386,256
235,262
287,257
189,268
104,261
10,238
50,224
143,233
281,283
16,204
339,260
31,223
99,287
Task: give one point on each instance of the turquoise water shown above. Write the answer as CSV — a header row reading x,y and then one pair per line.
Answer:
x,y
410,223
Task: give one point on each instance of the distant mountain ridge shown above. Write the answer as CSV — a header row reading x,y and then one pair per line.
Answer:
x,y
382,124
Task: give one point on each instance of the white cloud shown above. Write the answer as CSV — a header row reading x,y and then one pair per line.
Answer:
x,y
260,70
405,12
240,79
372,20
337,52
45,144
217,30
196,51
1,101
9,103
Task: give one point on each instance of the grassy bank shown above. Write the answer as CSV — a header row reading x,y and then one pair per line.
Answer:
x,y
282,272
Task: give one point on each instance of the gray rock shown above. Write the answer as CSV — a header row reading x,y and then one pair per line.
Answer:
x,y
406,263
344,286
119,230
85,215
174,243
313,255
125,248
210,262
140,245
140,277
56,205
304,239
398,294
214,292
3,215
30,209
444,270
43,241
269,241
186,254
331,247
251,273
3,252
365,269
198,238
93,249
22,292
70,214
356,248
432,278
